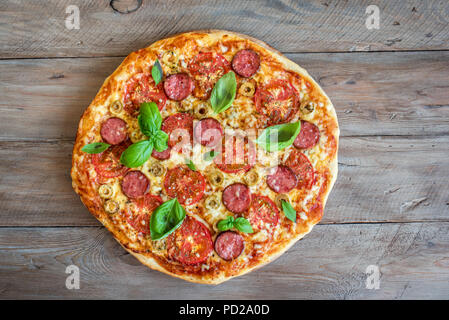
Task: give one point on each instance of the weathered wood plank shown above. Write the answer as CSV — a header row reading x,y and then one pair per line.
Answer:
x,y
374,94
34,29
329,263
378,178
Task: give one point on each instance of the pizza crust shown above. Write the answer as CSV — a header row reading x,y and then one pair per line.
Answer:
x,y
86,188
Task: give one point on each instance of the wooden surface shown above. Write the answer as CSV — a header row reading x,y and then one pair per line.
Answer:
x,y
389,207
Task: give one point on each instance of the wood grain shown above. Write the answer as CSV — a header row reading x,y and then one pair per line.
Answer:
x,y
330,263
374,94
378,176
31,29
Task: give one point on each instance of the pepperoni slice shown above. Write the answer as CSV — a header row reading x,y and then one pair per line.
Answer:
x,y
163,155
207,68
107,164
178,86
277,101
135,184
138,215
229,245
246,63
236,197
308,137
238,154
114,131
179,128
208,132
141,88
191,243
185,184
263,213
282,179
301,166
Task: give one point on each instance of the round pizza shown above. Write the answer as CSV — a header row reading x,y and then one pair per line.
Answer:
x,y
207,155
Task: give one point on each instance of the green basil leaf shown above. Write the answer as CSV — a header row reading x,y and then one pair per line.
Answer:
x,y
243,225
166,218
289,212
136,154
226,224
96,147
223,93
190,164
149,119
160,141
279,137
156,72
209,156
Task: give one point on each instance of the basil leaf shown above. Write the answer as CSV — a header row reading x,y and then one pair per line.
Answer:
x,y
240,224
96,147
223,93
160,141
191,165
156,72
243,225
136,154
279,137
166,218
208,156
289,212
226,224
149,119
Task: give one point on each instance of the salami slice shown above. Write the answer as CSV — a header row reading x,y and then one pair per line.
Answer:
x,y
301,166
191,243
185,184
178,86
179,128
114,131
208,132
246,63
229,245
236,197
164,155
263,213
276,101
138,214
308,137
282,179
135,184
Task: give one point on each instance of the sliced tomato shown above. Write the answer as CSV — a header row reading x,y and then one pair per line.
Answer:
x,y
139,212
263,213
141,88
301,166
277,101
107,164
206,68
191,243
179,128
237,154
184,184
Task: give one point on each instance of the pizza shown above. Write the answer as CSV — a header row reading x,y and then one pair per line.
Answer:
x,y
207,155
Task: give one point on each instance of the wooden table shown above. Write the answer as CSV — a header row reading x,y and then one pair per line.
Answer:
x,y
389,207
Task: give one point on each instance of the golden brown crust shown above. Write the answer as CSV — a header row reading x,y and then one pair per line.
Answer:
x,y
85,181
